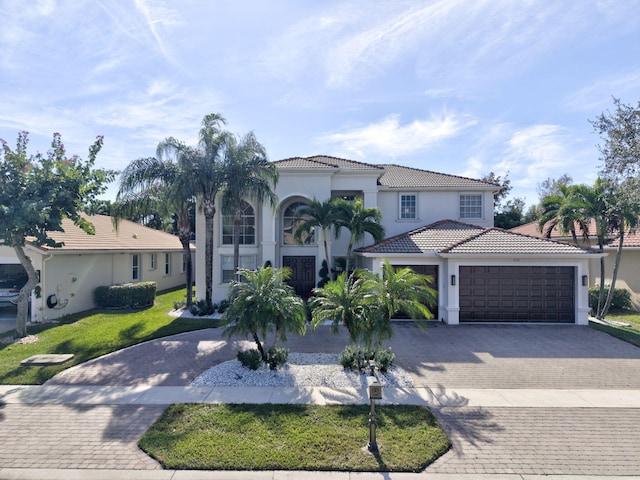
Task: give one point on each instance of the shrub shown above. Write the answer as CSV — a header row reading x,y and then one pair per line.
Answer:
x,y
129,295
250,359
223,305
277,357
355,358
178,304
621,298
201,309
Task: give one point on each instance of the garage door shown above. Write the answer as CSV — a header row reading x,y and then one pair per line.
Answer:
x,y
516,294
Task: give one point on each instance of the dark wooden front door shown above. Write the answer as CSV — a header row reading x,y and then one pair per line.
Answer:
x,y
517,294
303,274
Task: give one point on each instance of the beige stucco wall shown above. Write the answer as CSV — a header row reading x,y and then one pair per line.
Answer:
x,y
72,278
628,274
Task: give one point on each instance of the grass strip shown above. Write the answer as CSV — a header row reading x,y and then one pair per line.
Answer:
x,y
630,334
90,335
293,437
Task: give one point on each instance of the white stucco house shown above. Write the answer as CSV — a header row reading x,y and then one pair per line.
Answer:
x,y
70,274
436,223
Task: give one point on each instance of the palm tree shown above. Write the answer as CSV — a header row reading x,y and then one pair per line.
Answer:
x,y
247,173
149,185
314,215
261,303
347,301
359,221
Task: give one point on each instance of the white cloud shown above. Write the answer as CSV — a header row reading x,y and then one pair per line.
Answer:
x,y
598,95
389,138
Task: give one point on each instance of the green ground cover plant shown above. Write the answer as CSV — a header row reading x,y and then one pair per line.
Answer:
x,y
629,334
293,437
90,335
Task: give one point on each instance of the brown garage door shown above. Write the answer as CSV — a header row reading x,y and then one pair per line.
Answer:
x,y
516,294
432,271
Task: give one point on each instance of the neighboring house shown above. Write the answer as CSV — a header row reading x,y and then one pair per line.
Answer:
x,y
628,274
438,224
69,274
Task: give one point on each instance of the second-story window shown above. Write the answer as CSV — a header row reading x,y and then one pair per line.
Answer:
x,y
247,226
408,206
471,206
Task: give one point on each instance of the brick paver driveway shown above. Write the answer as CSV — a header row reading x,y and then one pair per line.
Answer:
x,y
545,440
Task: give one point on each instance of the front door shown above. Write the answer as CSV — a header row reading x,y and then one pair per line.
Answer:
x,y
303,273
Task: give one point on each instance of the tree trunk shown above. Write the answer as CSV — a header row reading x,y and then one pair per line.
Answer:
x,y
607,304
237,220
256,339
25,293
209,213
601,292
188,267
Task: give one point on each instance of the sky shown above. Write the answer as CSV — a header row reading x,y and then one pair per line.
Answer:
x,y
464,87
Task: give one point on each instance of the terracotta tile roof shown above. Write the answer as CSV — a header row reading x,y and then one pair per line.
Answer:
x,y
430,238
130,236
324,161
532,230
397,176
452,237
630,240
498,241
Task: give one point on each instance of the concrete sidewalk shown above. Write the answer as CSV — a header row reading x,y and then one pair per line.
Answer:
x,y
445,398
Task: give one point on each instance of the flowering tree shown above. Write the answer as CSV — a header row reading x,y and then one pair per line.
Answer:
x,y
36,193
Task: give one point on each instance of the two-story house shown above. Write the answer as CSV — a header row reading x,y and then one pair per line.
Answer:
x,y
438,224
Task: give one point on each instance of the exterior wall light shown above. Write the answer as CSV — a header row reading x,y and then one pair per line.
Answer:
x,y
453,279
585,280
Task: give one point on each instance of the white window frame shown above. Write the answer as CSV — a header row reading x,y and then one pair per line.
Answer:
x,y
244,261
470,204
167,264
136,267
403,212
153,261
247,229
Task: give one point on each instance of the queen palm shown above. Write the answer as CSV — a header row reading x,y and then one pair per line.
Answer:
x,y
359,220
316,214
150,185
247,174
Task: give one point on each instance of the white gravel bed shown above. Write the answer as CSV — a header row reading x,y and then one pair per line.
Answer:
x,y
302,369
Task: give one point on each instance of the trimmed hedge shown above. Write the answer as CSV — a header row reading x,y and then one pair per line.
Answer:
x,y
129,295
621,298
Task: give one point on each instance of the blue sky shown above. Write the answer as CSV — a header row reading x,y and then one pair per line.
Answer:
x,y
460,87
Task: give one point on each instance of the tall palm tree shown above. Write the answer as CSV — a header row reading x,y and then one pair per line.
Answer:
x,y
317,214
151,185
247,174
261,303
359,220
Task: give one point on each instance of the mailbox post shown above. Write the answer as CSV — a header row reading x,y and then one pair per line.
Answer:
x,y
375,393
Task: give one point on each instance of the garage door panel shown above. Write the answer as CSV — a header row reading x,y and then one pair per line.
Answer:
x,y
520,294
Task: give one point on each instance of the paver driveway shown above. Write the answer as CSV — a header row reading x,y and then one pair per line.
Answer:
x,y
545,440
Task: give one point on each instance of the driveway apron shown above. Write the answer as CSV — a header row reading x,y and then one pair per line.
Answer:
x,y
547,440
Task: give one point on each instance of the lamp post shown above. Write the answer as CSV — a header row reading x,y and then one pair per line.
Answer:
x,y
375,393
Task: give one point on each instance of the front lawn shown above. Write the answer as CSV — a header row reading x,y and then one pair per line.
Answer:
x,y
91,335
629,334
293,437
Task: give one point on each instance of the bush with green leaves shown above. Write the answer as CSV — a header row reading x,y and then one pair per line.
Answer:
x,y
129,295
250,359
276,357
621,298
223,305
201,309
356,359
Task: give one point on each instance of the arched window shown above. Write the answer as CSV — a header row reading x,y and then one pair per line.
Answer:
x,y
247,226
290,221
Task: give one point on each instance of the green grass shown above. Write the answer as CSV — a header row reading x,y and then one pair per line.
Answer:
x,y
293,437
629,334
91,335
